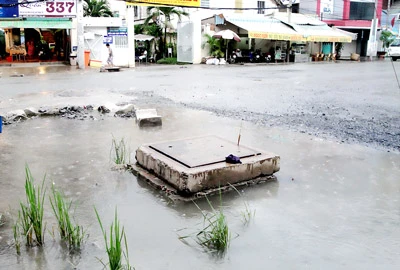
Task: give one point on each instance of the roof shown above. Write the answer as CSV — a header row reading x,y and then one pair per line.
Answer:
x,y
297,18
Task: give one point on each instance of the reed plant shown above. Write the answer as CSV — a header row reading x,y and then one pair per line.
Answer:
x,y
17,237
247,213
73,234
215,235
115,244
119,152
31,213
25,224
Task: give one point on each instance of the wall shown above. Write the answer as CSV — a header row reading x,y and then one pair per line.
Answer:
x,y
349,48
308,7
94,31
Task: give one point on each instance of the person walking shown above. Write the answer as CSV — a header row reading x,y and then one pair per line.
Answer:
x,y
110,56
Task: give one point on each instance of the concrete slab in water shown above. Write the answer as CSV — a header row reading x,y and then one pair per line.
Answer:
x,y
202,151
148,117
198,164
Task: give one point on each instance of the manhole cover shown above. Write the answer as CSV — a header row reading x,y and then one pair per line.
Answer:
x,y
202,151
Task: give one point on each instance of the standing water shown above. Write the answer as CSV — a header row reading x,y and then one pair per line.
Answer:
x,y
333,206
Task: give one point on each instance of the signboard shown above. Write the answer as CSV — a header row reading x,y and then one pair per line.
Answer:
x,y
49,8
8,8
117,31
287,2
107,39
327,6
182,3
45,23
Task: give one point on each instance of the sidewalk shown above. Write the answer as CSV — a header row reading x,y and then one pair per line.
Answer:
x,y
32,64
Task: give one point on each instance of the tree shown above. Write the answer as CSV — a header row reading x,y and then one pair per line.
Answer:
x,y
155,14
96,8
387,38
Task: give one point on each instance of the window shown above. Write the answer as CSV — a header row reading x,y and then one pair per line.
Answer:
x,y
362,10
135,10
260,7
121,41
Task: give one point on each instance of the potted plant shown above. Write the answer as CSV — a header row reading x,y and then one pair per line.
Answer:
x,y
338,49
215,46
387,38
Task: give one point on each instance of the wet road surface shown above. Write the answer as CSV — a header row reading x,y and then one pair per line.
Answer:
x,y
335,204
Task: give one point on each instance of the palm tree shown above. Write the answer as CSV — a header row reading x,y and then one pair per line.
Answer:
x,y
167,12
96,8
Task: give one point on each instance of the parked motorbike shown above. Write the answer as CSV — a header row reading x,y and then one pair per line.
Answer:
x,y
256,56
268,58
233,58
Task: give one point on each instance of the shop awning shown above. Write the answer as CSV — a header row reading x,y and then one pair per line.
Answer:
x,y
353,35
322,33
56,23
142,37
312,29
265,28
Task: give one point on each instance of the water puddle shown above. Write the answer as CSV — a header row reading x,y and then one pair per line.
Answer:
x,y
333,204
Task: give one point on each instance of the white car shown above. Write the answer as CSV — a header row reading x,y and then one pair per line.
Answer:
x,y
394,50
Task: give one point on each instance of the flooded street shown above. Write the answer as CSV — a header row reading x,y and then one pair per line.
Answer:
x,y
335,204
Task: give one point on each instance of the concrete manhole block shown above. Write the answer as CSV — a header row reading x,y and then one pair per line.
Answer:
x,y
148,117
196,165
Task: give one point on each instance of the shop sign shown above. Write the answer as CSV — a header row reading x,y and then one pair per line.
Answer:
x,y
179,3
275,36
49,8
327,6
117,31
8,8
329,39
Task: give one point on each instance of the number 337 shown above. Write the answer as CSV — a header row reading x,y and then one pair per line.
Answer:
x,y
59,7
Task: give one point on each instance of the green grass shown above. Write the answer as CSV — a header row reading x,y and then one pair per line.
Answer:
x,y
114,244
73,234
31,213
168,61
215,235
119,152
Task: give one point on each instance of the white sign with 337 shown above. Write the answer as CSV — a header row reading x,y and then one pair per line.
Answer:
x,y
49,8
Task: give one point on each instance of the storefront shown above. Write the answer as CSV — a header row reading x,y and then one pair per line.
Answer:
x,y
37,31
275,36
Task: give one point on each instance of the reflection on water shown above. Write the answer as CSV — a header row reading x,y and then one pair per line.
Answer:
x,y
333,206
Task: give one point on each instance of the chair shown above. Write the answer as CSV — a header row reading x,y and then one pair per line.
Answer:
x,y
153,58
143,57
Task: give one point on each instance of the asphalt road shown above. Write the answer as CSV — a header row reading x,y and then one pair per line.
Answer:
x,y
356,102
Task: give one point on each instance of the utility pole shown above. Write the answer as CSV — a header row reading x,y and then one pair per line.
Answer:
x,y
81,40
130,18
372,44
289,13
387,14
